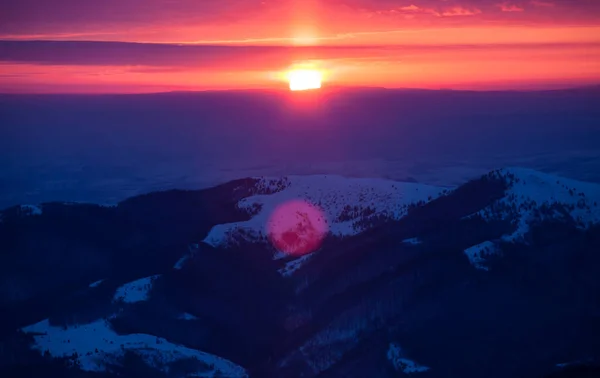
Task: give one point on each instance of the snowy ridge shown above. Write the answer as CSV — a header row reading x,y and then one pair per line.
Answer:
x,y
291,266
135,291
350,205
533,196
95,346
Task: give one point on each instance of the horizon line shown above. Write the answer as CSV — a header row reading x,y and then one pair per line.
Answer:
x,y
293,46
282,90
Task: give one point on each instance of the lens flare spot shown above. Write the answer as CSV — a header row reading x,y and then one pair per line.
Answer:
x,y
297,227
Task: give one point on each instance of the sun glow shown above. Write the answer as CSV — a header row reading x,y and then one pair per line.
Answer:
x,y
301,80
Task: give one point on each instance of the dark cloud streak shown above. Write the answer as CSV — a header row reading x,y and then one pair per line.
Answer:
x,y
163,55
169,56
122,11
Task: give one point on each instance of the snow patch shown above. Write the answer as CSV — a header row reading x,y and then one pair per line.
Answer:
x,y
135,291
350,205
401,363
413,241
186,316
94,346
292,266
328,346
192,250
31,210
478,252
75,203
574,363
279,255
96,284
181,262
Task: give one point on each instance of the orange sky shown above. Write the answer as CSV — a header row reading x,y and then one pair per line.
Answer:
x,y
477,44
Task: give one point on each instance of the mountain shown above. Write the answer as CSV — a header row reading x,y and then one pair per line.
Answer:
x,y
308,276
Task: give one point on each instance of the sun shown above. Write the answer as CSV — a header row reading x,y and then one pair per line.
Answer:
x,y
304,79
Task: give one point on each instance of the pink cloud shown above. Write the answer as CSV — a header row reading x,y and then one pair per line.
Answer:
x,y
509,7
412,9
460,11
409,9
540,3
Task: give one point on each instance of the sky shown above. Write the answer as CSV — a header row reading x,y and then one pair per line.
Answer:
x,y
130,46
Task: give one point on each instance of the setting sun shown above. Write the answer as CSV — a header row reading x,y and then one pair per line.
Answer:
x,y
301,80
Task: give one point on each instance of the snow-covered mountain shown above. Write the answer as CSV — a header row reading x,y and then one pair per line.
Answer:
x,y
346,207
406,279
532,197
349,205
352,205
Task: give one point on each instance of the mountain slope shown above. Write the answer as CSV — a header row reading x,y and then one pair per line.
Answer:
x,y
437,266
497,277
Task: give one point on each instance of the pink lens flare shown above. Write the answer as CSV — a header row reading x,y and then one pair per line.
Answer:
x,y
297,227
